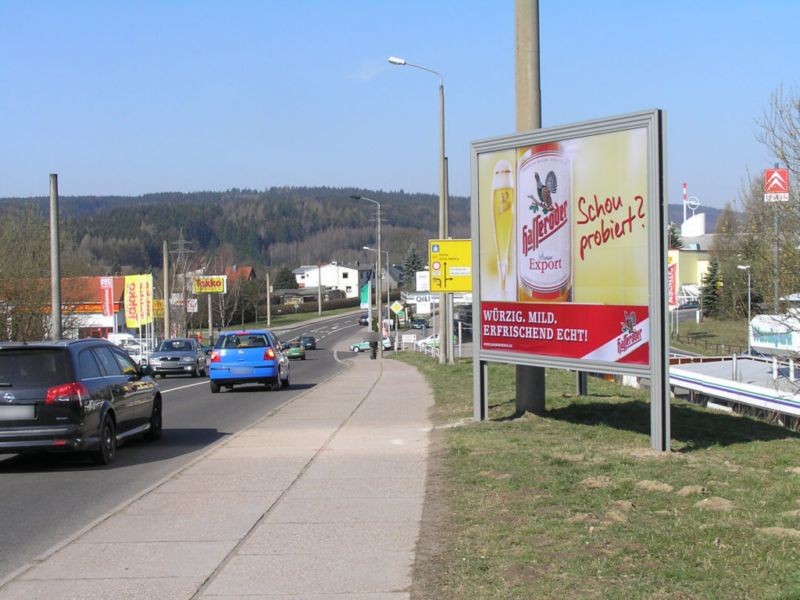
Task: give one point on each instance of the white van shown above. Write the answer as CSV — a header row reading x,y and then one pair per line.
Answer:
x,y
130,344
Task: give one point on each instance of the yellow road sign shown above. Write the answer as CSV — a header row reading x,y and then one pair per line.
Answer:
x,y
450,265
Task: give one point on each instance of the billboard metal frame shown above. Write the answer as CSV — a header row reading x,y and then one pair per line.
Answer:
x,y
653,121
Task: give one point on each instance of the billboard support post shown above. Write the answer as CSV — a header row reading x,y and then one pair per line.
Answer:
x,y
582,208
165,283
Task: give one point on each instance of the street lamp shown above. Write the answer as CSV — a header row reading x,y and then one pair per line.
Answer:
x,y
378,275
747,268
386,252
446,347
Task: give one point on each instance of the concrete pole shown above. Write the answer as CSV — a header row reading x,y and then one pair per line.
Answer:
x,y
448,340
269,303
530,394
445,337
319,290
379,284
210,322
165,252
55,262
777,291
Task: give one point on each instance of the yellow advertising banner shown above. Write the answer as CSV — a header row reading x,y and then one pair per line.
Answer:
x,y
138,300
210,284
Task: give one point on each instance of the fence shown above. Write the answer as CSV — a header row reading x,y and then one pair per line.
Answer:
x,y
717,347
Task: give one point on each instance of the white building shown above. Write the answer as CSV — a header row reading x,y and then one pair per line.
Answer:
x,y
332,276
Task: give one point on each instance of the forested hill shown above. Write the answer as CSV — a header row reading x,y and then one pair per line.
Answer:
x,y
281,226
277,227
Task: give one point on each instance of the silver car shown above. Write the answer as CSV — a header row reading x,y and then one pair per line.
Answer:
x,y
178,356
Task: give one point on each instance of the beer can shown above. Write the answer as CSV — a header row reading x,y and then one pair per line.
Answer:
x,y
544,225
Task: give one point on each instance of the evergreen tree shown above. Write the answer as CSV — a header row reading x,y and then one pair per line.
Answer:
x,y
285,280
675,241
412,263
710,292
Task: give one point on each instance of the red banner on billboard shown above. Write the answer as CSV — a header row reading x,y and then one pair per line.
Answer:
x,y
618,334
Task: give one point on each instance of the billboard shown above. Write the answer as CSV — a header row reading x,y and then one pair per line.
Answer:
x,y
210,284
568,246
776,185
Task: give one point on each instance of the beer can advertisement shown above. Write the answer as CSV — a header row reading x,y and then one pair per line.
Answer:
x,y
567,228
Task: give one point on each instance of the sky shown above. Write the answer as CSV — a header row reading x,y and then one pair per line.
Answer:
x,y
129,98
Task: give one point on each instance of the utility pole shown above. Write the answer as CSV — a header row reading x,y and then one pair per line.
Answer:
x,y
165,277
55,262
269,302
181,261
776,301
530,393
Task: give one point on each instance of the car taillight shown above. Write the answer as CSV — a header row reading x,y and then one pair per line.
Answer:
x,y
215,357
66,392
269,354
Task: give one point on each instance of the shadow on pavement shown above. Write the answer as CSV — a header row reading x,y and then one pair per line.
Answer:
x,y
173,443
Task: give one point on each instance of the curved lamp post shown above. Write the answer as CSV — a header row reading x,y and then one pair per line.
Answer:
x,y
386,252
446,345
378,274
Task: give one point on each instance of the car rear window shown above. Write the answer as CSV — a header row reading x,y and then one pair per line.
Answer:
x,y
34,366
175,346
245,340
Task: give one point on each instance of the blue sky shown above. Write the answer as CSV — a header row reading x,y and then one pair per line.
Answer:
x,y
135,97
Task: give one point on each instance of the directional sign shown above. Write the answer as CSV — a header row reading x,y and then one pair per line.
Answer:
x,y
776,185
450,265
396,307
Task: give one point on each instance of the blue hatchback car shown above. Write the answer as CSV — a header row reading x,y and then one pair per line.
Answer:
x,y
248,357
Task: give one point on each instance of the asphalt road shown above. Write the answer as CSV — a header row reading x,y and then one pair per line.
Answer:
x,y
46,499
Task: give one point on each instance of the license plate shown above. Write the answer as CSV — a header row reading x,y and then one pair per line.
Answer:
x,y
239,371
16,413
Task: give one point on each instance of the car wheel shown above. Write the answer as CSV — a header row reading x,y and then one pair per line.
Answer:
x,y
214,387
154,433
275,385
204,372
285,382
194,371
303,357
108,443
356,349
162,375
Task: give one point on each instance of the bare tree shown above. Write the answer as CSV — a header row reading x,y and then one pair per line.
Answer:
x,y
779,128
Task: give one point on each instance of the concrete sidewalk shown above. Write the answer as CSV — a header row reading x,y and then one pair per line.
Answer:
x,y
320,500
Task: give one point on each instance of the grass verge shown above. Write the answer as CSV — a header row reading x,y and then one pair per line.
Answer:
x,y
575,504
711,336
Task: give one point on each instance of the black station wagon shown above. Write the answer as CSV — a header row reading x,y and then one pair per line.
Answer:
x,y
74,395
